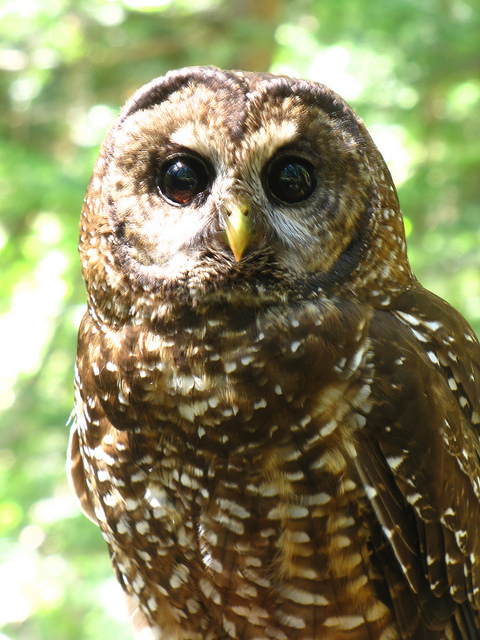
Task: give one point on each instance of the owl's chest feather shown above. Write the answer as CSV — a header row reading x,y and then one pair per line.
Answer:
x,y
237,486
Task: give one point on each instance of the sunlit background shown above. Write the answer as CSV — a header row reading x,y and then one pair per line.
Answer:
x,y
411,70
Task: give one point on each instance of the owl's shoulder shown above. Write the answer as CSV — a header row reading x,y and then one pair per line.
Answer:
x,y
423,338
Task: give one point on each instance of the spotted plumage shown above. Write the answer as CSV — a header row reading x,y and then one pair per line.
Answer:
x,y
276,427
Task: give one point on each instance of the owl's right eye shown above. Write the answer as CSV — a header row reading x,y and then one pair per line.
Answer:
x,y
181,179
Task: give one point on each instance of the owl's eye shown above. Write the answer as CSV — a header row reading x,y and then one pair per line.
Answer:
x,y
290,179
182,179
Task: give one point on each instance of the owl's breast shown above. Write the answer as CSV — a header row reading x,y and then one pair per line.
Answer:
x,y
238,472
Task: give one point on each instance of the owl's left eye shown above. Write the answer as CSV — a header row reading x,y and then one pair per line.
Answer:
x,y
290,179
182,179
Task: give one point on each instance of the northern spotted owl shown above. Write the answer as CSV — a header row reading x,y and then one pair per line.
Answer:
x,y
276,427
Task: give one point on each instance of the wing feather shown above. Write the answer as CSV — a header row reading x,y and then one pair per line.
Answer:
x,y
76,475
418,458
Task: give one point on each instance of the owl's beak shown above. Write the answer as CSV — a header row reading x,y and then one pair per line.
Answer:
x,y
239,228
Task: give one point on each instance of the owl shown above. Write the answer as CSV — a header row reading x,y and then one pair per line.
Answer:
x,y
276,427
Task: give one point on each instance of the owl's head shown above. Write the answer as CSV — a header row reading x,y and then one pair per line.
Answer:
x,y
215,185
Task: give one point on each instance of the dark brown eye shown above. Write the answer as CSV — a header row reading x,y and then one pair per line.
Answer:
x,y
290,179
182,179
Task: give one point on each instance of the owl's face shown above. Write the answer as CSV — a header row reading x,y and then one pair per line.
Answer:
x,y
216,181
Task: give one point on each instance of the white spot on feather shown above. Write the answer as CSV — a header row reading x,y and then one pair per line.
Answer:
x,y
293,621
408,318
142,527
294,346
328,428
307,598
395,461
344,622
418,335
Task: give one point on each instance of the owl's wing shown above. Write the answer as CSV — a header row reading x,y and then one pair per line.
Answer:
x,y
76,474
419,459
141,630
77,480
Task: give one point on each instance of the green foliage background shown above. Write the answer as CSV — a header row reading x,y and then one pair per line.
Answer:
x,y
411,70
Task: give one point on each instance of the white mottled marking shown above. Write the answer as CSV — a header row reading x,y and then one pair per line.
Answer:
x,y
328,428
320,462
349,485
246,591
351,450
387,532
303,597
138,583
293,476
100,514
110,500
395,461
408,318
371,492
188,481
344,622
452,384
192,605
255,615
131,504
142,527
433,325
209,591
293,621
103,475
300,537
376,611
229,627
121,528
413,498
291,454
144,555
418,335
361,420
216,565
342,541
292,510
100,455
213,401
234,508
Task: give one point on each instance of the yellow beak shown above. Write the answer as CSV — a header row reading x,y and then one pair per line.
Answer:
x,y
239,228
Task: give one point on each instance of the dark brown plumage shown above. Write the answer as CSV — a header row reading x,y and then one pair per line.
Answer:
x,y
277,427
